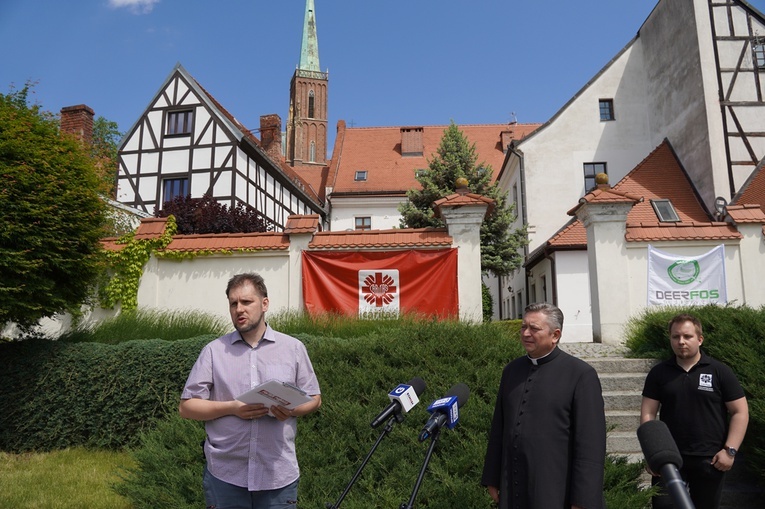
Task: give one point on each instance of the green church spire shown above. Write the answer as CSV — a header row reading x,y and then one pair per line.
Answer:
x,y
309,49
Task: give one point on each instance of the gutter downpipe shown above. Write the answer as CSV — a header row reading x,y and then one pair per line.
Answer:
x,y
524,217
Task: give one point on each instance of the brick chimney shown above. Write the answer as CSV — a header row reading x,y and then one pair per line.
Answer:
x,y
78,120
271,135
411,141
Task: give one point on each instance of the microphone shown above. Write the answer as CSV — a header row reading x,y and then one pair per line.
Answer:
x,y
445,411
662,455
402,398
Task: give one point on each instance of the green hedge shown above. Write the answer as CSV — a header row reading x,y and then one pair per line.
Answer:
x,y
734,335
58,394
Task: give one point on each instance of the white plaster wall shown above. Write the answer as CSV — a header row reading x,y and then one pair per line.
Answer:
x,y
676,98
554,156
383,212
200,283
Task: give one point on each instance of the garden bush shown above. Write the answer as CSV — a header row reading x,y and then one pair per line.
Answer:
x,y
734,335
358,362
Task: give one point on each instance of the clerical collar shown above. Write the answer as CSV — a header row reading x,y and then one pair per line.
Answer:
x,y
545,358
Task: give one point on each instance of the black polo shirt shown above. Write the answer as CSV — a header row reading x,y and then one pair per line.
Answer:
x,y
693,403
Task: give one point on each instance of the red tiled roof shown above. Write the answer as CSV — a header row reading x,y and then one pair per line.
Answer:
x,y
573,235
753,190
151,228
229,242
648,232
377,150
395,238
746,213
460,200
658,176
302,224
375,239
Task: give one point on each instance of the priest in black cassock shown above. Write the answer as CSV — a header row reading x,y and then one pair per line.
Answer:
x,y
547,444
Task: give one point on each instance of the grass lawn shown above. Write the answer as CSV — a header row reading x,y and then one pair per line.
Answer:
x,y
71,478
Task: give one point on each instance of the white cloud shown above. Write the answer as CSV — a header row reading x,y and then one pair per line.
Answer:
x,y
136,6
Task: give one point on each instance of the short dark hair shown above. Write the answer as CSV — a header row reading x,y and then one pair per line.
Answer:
x,y
685,317
256,280
552,313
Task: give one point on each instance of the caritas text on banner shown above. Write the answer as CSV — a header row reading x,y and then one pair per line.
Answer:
x,y
380,282
682,280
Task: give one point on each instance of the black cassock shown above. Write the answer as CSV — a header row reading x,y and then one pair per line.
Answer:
x,y
547,444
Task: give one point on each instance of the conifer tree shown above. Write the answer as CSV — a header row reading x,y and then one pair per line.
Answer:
x,y
455,158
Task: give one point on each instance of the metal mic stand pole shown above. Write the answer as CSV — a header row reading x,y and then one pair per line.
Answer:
x,y
433,439
386,429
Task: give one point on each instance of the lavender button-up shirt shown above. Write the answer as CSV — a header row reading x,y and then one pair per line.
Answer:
x,y
257,454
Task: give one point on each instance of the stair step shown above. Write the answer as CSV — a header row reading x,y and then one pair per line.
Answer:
x,y
623,420
623,443
620,365
622,381
622,400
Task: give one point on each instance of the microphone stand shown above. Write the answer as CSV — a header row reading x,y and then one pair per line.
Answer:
x,y
386,429
433,439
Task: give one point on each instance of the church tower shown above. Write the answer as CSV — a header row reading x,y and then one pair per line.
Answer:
x,y
307,123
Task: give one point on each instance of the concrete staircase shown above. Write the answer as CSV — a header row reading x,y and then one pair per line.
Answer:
x,y
622,381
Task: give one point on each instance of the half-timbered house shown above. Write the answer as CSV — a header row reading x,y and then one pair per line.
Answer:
x,y
187,144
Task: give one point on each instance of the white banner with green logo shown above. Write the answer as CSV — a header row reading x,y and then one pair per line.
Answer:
x,y
681,280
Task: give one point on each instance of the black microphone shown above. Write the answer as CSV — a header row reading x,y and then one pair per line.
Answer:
x,y
662,455
445,411
402,398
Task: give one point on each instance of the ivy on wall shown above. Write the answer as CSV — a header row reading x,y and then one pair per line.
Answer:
x,y
126,267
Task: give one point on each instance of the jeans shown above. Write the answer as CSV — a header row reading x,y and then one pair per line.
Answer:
x,y
705,484
222,495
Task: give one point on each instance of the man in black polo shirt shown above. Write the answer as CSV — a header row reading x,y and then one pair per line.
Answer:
x,y
696,394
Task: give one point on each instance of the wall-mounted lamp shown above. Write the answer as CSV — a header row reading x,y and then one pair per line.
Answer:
x,y
720,204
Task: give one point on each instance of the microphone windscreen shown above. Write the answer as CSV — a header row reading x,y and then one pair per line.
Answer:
x,y
659,448
418,384
462,393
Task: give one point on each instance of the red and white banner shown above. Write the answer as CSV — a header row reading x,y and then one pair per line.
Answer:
x,y
381,282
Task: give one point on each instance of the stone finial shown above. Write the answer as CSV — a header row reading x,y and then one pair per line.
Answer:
x,y
462,185
601,179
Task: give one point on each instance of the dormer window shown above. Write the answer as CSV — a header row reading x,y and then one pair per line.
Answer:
x,y
665,211
361,176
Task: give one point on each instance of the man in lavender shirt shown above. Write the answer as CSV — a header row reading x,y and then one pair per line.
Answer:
x,y
250,455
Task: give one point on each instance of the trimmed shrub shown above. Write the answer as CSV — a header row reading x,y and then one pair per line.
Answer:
x,y
57,394
734,335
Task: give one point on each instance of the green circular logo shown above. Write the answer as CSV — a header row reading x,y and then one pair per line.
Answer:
x,y
684,272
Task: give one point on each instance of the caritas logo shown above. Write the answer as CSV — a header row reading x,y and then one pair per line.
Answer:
x,y
378,291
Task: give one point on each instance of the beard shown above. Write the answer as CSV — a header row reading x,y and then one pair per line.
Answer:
x,y
249,326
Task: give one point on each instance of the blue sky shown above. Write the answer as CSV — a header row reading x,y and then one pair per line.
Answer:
x,y
397,62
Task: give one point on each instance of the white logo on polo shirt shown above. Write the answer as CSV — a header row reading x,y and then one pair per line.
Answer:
x,y
705,382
